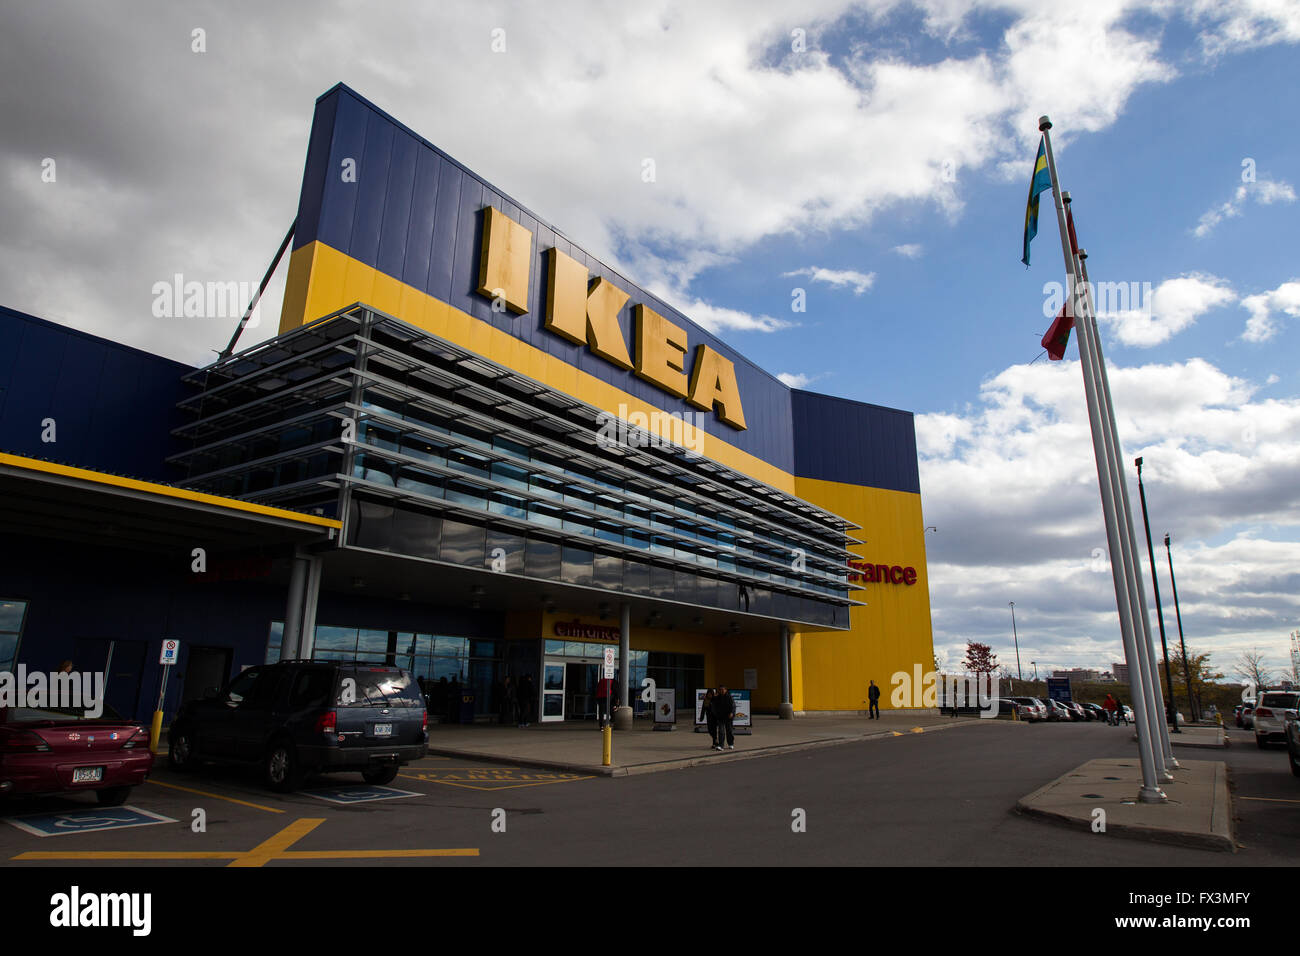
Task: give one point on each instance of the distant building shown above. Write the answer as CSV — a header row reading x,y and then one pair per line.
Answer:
x,y
1079,673
1120,671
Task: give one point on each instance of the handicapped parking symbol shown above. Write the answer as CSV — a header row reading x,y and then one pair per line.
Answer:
x,y
85,821
79,822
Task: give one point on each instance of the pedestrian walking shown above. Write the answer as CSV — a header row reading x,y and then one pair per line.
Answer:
x,y
525,696
604,691
1110,707
709,718
1120,712
509,701
873,702
724,712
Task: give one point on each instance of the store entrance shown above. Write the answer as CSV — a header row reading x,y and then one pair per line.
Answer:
x,y
580,680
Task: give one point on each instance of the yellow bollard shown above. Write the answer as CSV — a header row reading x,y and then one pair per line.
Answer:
x,y
155,731
607,747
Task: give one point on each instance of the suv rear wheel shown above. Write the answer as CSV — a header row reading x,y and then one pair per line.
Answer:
x,y
180,753
377,776
280,767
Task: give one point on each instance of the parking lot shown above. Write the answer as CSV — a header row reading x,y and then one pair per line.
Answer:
x,y
223,816
444,811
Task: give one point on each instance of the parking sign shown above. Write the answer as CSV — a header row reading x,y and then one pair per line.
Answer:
x,y
170,651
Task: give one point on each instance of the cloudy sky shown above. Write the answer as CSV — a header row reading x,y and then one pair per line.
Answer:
x,y
875,155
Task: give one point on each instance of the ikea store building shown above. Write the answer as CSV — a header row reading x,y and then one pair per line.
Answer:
x,y
472,450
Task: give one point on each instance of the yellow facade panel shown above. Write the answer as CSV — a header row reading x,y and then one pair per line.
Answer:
x,y
892,633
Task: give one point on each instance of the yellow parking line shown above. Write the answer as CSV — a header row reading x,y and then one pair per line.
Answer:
x,y
215,796
124,855
275,848
261,854
1270,799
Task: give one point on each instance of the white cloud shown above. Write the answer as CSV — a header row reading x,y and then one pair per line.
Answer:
x,y
800,379
1238,25
749,139
1263,191
909,250
1012,486
717,319
1261,326
860,282
1171,307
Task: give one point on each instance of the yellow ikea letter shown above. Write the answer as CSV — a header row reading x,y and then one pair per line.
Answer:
x,y
660,351
505,260
713,380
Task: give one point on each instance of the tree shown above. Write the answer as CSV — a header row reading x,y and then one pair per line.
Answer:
x,y
1250,667
980,658
1202,673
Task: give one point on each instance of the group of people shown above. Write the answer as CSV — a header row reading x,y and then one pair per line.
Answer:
x,y
516,701
1115,712
720,715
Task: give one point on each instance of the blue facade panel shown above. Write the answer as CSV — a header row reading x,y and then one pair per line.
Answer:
x,y
837,439
113,407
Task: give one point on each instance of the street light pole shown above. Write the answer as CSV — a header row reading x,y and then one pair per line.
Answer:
x,y
1187,671
1160,614
1016,638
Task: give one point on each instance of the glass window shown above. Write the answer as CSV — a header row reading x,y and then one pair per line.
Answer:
x,y
242,686
335,641
273,642
372,643
311,688
450,646
12,615
465,494
510,475
554,647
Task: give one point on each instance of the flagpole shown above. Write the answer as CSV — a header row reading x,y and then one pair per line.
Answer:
x,y
1150,791
1162,748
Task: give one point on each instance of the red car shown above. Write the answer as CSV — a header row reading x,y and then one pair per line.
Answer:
x,y
61,751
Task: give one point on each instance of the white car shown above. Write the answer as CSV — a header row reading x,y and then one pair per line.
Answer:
x,y
1271,712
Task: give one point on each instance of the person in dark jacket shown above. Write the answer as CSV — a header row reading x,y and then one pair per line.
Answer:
x,y
709,719
509,701
873,700
525,696
724,712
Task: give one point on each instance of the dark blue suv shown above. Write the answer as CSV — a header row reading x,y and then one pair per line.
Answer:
x,y
294,718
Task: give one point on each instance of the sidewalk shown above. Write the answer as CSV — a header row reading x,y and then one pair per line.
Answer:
x,y
576,747
1198,813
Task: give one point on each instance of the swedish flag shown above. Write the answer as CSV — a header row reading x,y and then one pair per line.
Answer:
x,y
1042,180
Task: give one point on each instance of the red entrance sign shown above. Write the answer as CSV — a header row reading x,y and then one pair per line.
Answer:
x,y
881,573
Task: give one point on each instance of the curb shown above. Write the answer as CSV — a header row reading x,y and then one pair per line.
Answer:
x,y
682,763
1221,838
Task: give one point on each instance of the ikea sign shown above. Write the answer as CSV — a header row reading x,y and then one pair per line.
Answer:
x,y
586,312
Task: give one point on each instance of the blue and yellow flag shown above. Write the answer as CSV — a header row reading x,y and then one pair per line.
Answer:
x,y
1042,180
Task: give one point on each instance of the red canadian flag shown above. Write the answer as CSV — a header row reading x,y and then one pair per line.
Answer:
x,y
1058,336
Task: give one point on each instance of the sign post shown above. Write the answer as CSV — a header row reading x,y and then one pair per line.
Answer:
x,y
171,650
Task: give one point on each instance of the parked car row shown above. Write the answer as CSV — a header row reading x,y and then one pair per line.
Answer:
x,y
1270,715
1035,709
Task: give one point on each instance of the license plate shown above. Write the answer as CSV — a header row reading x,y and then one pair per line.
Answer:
x,y
383,730
87,774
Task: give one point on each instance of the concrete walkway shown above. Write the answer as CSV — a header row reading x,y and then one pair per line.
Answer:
x,y
1198,812
576,747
